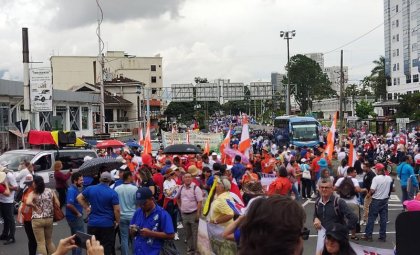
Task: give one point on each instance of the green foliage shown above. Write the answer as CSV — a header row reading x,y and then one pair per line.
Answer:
x,y
409,106
311,82
378,79
364,109
366,86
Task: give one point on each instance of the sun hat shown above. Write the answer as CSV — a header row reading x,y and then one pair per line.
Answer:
x,y
322,163
193,170
142,194
170,172
253,188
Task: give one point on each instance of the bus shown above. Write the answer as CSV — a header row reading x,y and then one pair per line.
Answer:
x,y
298,131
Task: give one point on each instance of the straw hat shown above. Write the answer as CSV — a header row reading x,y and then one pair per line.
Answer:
x,y
193,170
2,177
253,188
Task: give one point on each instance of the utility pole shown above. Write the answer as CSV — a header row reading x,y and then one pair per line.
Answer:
x,y
287,36
341,92
26,90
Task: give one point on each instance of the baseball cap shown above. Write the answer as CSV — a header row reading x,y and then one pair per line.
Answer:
x,y
142,194
29,179
214,154
379,166
106,176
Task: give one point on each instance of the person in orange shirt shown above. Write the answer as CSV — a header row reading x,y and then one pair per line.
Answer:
x,y
268,164
249,175
281,185
130,164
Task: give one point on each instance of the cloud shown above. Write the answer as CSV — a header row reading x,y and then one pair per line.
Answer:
x,y
77,13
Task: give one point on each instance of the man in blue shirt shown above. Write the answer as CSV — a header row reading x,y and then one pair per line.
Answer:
x,y
74,211
150,225
104,211
238,170
405,172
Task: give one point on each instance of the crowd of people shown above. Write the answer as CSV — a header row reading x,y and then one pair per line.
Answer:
x,y
146,200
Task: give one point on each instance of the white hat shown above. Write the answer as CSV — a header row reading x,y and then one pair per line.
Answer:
x,y
115,174
87,158
214,154
303,160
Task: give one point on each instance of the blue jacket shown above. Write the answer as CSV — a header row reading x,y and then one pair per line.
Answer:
x,y
404,171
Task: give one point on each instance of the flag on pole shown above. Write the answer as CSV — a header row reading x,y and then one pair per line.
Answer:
x,y
140,133
147,140
352,155
224,145
207,148
245,143
331,137
188,136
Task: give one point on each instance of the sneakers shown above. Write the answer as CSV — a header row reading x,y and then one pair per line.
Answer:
x,y
179,226
362,223
382,239
314,195
176,237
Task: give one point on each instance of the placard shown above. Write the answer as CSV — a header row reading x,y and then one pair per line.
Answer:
x,y
41,89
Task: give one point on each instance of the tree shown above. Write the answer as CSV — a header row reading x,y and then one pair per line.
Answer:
x,y
366,84
409,106
351,91
378,79
311,83
364,109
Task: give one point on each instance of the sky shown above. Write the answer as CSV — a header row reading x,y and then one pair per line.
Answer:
x,y
229,39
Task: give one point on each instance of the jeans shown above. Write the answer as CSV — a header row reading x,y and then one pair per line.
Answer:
x,y
191,230
306,188
124,228
31,237
43,229
377,207
172,209
62,193
105,235
295,191
408,194
76,225
9,228
361,197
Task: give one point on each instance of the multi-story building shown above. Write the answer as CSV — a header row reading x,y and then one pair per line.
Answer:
x,y
333,73
402,47
317,57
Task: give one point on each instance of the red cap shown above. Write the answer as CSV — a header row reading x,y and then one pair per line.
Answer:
x,y
379,166
418,161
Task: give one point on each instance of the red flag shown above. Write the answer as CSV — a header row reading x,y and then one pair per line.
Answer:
x,y
141,139
207,148
352,155
245,142
331,137
224,145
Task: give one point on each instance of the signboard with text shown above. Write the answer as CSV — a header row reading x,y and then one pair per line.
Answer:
x,y
196,138
41,89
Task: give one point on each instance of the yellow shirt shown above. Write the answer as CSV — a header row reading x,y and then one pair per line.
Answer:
x,y
220,207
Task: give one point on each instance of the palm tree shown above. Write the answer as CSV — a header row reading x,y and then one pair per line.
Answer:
x,y
378,78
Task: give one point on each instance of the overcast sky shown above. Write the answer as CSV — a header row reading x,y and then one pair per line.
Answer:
x,y
231,39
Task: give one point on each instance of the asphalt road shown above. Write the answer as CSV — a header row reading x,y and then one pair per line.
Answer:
x,y
62,230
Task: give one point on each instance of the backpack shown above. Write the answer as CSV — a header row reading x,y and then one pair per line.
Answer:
x,y
346,189
336,208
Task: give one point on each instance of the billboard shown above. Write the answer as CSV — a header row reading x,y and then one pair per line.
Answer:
x,y
41,89
207,92
233,91
261,90
182,92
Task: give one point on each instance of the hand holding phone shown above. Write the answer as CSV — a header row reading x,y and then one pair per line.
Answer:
x,y
81,239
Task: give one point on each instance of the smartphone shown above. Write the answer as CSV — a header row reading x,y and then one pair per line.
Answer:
x,y
81,239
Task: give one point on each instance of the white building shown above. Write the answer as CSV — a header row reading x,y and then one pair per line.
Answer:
x,y
69,71
333,73
402,47
317,57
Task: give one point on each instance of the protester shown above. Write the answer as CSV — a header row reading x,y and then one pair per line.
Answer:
x,y
93,247
7,207
61,181
25,214
220,212
150,226
405,172
306,179
42,202
380,190
273,225
337,241
27,169
330,209
281,185
102,205
74,211
127,198
252,189
367,182
238,169
4,187
190,198
170,189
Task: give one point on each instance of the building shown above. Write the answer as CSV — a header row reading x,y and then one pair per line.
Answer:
x,y
328,107
71,111
402,47
69,71
333,73
317,57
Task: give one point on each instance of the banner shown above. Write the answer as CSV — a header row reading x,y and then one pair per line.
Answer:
x,y
196,138
210,240
41,89
267,179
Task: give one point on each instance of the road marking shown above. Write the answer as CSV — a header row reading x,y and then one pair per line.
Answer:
x,y
394,198
307,202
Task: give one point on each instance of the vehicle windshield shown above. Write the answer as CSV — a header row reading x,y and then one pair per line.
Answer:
x,y
305,132
12,160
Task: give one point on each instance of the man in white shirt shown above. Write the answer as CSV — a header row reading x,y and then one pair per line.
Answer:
x,y
7,208
341,155
380,191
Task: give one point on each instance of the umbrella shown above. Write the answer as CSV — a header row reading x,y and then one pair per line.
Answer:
x,y
132,143
232,153
109,143
182,149
92,167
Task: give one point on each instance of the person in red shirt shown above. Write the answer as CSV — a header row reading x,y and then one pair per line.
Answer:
x,y
4,188
158,179
281,185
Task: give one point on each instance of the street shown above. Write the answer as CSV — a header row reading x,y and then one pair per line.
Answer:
x,y
62,230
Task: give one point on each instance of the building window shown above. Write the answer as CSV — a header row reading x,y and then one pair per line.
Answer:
x,y
408,92
397,37
153,79
408,79
74,118
416,78
389,96
398,66
396,23
396,96
4,116
85,118
415,91
398,81
59,121
153,68
396,8
394,67
398,52
395,81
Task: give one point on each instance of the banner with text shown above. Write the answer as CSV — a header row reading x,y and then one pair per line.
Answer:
x,y
210,240
196,138
41,89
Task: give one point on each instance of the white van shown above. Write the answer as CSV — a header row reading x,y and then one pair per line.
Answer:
x,y
43,160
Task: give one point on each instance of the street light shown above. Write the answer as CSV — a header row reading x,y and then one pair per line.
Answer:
x,y
287,35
